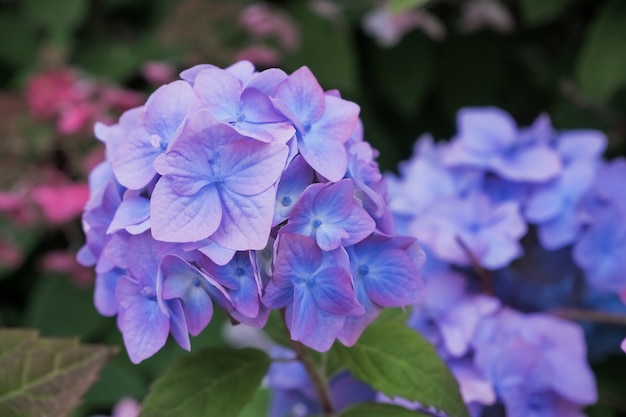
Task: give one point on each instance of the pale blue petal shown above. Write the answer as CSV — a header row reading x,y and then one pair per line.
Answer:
x,y
184,219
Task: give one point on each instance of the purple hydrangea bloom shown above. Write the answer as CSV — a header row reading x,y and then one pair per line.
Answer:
x,y
216,183
331,214
386,274
323,122
536,362
297,176
488,138
554,207
601,250
316,288
202,184
243,285
245,107
144,318
471,229
165,113
195,290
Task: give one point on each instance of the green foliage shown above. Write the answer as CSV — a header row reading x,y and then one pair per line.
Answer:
x,y
327,49
56,16
399,362
398,6
53,305
45,376
211,382
410,66
276,330
378,410
259,405
23,46
600,68
538,12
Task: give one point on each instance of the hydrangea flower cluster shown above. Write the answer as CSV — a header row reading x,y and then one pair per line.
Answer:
x,y
247,190
521,225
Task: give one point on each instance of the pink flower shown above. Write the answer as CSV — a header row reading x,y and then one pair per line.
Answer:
x,y
158,73
126,407
262,21
15,206
61,203
48,93
76,118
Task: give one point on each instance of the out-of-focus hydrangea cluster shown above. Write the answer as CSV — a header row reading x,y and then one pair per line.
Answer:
x,y
249,190
523,226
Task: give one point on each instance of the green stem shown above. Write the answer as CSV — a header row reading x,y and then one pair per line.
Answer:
x,y
317,377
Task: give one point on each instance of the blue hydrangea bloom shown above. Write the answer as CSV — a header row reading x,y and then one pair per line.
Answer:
x,y
316,288
202,184
164,114
488,138
331,214
216,183
323,122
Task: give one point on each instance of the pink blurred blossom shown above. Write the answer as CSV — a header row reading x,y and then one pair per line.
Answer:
x,y
76,102
389,28
259,55
263,21
16,207
76,118
48,93
158,73
61,203
65,262
127,407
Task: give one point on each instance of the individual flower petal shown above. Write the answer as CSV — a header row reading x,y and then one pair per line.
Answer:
x,y
331,214
141,321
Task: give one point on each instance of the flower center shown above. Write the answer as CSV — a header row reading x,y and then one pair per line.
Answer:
x,y
157,142
149,293
286,201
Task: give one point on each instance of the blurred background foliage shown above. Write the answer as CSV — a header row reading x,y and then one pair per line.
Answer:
x,y
566,58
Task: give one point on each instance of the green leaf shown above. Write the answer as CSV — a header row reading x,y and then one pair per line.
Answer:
x,y
399,6
22,49
45,376
404,74
600,67
380,409
275,328
213,382
59,308
536,12
259,406
399,362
